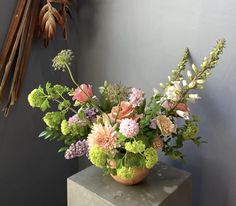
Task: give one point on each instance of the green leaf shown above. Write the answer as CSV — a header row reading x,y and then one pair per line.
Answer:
x,y
45,105
121,137
43,133
63,149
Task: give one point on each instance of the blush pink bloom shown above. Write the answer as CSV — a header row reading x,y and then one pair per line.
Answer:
x,y
168,105
129,127
183,110
83,93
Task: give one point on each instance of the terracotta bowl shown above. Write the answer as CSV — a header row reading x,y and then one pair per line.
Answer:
x,y
139,175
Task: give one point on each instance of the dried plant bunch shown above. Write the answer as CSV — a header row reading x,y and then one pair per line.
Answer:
x,y
50,16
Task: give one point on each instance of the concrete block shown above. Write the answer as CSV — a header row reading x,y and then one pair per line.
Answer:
x,y
164,186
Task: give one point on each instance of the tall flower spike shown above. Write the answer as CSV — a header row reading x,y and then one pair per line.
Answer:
x,y
62,60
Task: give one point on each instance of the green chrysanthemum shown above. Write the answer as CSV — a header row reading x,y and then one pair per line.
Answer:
x,y
191,131
135,147
65,130
151,157
125,172
98,157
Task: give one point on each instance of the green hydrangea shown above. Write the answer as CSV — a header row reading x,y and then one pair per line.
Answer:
x,y
37,98
65,130
191,131
98,157
151,157
125,172
53,119
135,147
135,160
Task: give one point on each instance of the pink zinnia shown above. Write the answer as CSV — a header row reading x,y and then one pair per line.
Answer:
x,y
136,97
129,127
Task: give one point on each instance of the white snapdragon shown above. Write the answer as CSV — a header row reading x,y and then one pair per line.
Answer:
x,y
173,92
183,114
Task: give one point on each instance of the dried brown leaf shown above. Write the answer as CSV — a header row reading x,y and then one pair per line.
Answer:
x,y
49,17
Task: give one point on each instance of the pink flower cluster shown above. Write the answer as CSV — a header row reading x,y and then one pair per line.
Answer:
x,y
129,127
136,97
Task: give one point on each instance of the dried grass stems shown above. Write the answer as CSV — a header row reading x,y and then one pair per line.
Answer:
x,y
16,48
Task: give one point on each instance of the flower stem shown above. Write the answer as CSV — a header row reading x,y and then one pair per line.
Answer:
x,y
71,76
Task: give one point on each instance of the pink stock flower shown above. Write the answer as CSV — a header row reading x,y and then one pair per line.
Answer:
x,y
83,93
136,97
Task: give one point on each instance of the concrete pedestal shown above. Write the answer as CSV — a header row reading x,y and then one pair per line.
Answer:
x,y
165,186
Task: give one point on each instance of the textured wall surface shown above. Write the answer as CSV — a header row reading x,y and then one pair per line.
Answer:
x,y
138,42
31,171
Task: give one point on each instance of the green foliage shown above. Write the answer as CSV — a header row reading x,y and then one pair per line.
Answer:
x,y
135,146
150,112
41,99
125,172
151,157
111,95
191,131
98,157
53,134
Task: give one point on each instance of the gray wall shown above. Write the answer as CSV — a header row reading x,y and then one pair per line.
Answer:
x,y
138,42
31,171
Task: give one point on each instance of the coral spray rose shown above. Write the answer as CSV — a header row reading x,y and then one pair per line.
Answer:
x,y
83,93
122,111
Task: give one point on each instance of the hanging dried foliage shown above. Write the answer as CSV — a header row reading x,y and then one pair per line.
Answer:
x,y
16,48
50,17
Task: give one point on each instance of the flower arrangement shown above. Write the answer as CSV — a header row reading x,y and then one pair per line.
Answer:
x,y
117,129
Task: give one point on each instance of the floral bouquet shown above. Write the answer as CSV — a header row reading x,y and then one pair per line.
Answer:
x,y
117,130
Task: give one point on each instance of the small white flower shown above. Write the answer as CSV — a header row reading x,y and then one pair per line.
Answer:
x,y
189,73
184,82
